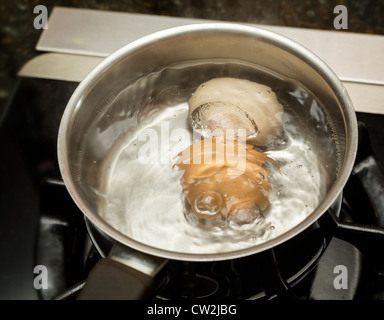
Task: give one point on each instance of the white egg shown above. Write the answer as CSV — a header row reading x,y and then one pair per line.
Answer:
x,y
229,103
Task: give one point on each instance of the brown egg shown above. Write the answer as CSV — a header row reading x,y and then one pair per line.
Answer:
x,y
228,103
224,179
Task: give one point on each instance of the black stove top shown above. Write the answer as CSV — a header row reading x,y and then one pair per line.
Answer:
x,y
41,226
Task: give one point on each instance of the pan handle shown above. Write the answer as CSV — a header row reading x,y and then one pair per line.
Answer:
x,y
112,280
125,275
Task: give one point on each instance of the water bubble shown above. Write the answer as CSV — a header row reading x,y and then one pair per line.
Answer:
x,y
272,227
245,217
208,203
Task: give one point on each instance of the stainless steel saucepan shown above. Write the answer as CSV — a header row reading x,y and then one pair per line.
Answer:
x,y
113,103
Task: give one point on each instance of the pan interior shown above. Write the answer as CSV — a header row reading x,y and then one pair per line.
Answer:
x,y
128,154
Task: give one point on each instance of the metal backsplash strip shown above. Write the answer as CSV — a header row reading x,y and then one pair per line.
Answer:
x,y
87,36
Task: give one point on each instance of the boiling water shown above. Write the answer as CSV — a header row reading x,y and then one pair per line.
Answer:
x,y
142,195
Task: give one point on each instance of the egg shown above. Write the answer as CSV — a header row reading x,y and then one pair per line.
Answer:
x,y
225,180
223,104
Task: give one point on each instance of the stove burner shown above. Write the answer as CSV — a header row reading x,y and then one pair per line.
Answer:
x,y
64,247
188,284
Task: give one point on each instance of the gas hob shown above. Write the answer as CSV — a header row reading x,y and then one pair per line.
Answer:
x,y
41,226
